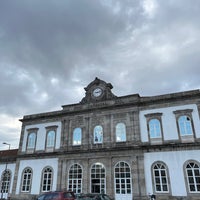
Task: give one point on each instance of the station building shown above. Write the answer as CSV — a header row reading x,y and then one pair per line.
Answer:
x,y
127,147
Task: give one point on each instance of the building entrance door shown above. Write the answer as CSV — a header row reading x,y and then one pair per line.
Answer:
x,y
98,178
123,186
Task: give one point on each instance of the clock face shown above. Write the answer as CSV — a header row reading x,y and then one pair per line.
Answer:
x,y
97,92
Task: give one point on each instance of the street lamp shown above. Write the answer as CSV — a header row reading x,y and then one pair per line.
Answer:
x,y
4,177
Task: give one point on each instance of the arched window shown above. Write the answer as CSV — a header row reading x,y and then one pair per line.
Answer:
x,y
120,132
154,128
5,181
47,179
26,180
193,177
122,179
50,139
160,178
77,136
31,140
75,179
98,134
185,125
98,178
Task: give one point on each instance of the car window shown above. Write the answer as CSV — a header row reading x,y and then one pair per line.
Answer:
x,y
41,197
51,196
47,196
105,197
67,195
55,196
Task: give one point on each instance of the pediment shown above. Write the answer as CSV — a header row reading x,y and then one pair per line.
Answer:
x,y
98,90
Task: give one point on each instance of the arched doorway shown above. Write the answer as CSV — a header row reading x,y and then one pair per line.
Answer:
x,y
123,185
98,178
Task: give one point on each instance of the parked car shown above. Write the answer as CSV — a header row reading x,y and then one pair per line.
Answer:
x,y
57,195
93,197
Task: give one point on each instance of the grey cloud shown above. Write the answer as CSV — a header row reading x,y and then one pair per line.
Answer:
x,y
50,50
56,34
54,38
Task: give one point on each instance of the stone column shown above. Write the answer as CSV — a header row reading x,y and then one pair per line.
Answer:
x,y
21,138
136,126
86,177
65,133
60,174
62,138
15,180
110,177
139,190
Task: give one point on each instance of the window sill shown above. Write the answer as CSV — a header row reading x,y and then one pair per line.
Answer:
x,y
156,141
187,138
29,151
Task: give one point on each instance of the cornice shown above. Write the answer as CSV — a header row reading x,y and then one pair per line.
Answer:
x,y
133,100
140,148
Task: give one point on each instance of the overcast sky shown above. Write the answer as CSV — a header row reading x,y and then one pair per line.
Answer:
x,y
51,49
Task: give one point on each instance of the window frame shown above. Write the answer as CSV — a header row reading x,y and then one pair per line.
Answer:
x,y
75,179
32,131
187,182
152,124
187,113
156,116
79,131
167,177
96,136
28,181
46,179
122,134
101,176
48,131
125,179
5,181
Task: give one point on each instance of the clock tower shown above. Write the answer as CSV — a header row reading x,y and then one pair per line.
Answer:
x,y
98,90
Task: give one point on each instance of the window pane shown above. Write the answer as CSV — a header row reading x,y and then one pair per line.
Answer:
x,y
47,179
164,180
197,179
77,136
162,172
196,172
158,188
120,132
165,188
185,125
154,128
26,180
31,140
160,178
51,138
5,181
75,178
98,134
192,188
98,183
122,176
193,176
189,172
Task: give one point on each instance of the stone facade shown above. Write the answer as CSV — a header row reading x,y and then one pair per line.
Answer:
x,y
136,152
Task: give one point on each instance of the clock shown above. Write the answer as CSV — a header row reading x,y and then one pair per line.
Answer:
x,y
97,92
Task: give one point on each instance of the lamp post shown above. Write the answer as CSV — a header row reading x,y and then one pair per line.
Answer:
x,y
3,187
7,144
